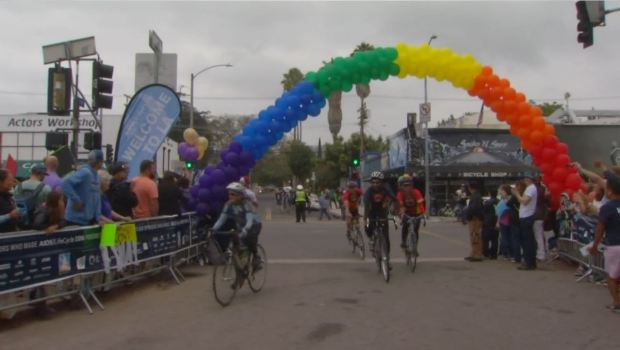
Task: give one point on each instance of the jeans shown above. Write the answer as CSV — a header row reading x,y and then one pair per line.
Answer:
x,y
505,240
539,233
528,243
322,212
489,242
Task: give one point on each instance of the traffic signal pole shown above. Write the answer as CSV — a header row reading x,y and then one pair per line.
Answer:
x,y
76,112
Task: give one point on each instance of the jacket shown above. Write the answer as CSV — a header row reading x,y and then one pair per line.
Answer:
x,y
83,187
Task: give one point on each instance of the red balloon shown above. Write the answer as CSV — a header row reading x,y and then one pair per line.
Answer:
x,y
555,188
536,149
562,160
550,141
548,154
537,137
559,174
561,148
546,168
573,181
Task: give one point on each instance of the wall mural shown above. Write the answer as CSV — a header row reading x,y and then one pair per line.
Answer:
x,y
342,73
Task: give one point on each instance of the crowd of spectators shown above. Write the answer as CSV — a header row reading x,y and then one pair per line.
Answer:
x,y
91,195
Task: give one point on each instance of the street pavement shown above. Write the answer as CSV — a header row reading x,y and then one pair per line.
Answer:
x,y
320,296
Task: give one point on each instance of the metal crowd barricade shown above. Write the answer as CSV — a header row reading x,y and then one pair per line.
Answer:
x,y
31,260
570,249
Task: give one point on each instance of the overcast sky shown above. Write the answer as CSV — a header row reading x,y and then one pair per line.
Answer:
x,y
533,44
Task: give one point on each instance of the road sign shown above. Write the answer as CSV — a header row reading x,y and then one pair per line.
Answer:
x,y
155,42
425,112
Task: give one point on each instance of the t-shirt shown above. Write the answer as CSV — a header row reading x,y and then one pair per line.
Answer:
x,y
31,185
413,202
353,198
527,210
609,216
146,190
376,200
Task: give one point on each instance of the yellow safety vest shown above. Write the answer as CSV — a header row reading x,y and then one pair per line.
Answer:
x,y
300,196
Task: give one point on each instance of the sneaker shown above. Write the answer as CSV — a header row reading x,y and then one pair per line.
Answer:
x,y
526,268
473,259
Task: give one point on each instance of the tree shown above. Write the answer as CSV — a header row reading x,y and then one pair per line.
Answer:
x,y
300,159
362,90
337,156
272,169
549,108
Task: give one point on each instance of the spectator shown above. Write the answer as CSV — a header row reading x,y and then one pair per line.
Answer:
x,y
52,179
82,190
461,203
527,212
122,199
474,217
333,198
183,184
51,215
37,174
609,228
490,233
108,215
249,194
584,205
8,213
146,191
170,195
539,221
325,205
508,216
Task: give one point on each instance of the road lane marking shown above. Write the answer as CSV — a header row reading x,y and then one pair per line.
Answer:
x,y
442,237
356,261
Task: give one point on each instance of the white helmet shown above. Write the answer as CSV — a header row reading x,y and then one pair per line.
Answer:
x,y
236,187
300,187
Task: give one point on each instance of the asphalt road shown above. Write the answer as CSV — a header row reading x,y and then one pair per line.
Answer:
x,y
319,296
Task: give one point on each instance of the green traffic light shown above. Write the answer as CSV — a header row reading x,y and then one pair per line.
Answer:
x,y
189,165
356,162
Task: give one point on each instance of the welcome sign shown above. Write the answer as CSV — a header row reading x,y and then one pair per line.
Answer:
x,y
146,123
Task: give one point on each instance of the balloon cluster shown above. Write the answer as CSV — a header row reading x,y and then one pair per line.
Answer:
x,y
194,147
344,72
439,63
536,135
209,194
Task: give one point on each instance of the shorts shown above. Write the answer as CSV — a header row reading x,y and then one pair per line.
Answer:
x,y
612,261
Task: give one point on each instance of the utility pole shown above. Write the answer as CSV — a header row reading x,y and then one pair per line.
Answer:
x,y
76,112
363,117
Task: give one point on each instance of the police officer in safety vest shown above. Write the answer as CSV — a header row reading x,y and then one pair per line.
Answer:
x,y
301,201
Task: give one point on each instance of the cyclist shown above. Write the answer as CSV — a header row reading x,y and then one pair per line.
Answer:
x,y
351,200
377,199
246,220
411,203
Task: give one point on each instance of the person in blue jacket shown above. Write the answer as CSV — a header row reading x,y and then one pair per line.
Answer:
x,y
83,192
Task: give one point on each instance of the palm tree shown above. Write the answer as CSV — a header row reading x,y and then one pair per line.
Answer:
x,y
290,79
362,90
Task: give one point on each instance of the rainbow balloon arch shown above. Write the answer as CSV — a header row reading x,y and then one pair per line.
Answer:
x,y
309,96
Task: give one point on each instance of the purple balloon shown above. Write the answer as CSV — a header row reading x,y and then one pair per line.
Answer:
x,y
205,181
190,205
232,174
232,158
202,209
218,176
223,153
244,170
204,195
235,147
246,158
182,148
194,191
219,193
191,153
209,169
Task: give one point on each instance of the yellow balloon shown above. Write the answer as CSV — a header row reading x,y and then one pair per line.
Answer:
x,y
190,136
202,144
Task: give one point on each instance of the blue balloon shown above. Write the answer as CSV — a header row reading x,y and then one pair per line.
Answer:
x,y
261,127
281,102
276,126
279,135
292,115
264,115
294,102
314,110
260,140
306,99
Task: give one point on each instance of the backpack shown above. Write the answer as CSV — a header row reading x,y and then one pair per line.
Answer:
x,y
26,204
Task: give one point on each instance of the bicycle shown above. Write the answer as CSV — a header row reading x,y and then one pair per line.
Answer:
x,y
379,244
238,265
357,238
411,249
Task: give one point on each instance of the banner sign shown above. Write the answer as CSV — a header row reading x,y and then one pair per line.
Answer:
x,y
35,257
146,123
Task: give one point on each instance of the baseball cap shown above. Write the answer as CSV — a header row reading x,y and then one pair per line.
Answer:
x,y
118,167
95,156
38,169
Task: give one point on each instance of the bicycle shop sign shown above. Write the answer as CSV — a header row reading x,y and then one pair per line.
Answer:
x,y
483,174
42,122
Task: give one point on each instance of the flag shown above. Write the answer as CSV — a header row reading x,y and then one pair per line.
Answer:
x,y
81,102
11,165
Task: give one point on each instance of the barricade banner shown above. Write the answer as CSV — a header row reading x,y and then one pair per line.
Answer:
x,y
33,257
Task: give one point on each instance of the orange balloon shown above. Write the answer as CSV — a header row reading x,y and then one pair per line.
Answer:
x,y
524,108
497,106
520,97
514,128
502,115
538,123
473,92
525,120
480,81
523,133
536,137
526,144
496,93
510,106
484,94
487,70
549,130
505,83
536,111
512,119
509,94
494,81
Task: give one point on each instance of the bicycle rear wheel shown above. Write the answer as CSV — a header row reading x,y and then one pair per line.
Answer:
x,y
257,278
225,282
359,240
412,247
385,266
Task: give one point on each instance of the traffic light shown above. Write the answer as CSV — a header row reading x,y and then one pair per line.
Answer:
x,y
109,153
189,164
585,28
58,91
102,85
355,161
92,140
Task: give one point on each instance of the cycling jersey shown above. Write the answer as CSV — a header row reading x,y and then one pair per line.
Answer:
x,y
412,200
352,198
376,201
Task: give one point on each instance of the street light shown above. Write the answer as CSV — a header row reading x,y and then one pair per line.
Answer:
x,y
191,90
427,177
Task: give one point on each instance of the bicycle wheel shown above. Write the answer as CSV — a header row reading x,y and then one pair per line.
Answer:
x,y
377,250
359,238
257,278
412,247
225,282
385,266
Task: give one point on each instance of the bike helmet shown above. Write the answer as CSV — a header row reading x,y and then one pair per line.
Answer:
x,y
236,187
404,179
352,184
300,187
376,175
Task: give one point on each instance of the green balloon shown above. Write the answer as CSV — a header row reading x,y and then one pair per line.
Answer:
x,y
346,86
391,53
394,69
311,77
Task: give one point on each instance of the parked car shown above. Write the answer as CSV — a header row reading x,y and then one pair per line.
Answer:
x,y
314,202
